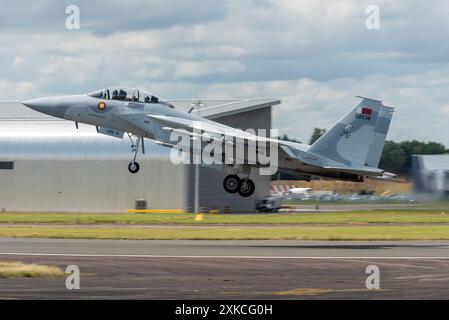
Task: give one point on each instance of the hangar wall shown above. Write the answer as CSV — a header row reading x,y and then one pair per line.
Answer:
x,y
430,174
65,174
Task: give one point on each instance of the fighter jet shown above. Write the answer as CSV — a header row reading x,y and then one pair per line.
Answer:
x,y
350,150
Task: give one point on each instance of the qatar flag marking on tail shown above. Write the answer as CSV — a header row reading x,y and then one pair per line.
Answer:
x,y
367,111
364,113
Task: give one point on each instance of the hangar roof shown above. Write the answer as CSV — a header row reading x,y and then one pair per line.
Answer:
x,y
59,139
84,146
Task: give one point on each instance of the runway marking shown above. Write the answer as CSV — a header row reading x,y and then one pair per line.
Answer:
x,y
211,256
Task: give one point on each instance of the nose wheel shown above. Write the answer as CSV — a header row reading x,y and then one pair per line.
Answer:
x,y
133,167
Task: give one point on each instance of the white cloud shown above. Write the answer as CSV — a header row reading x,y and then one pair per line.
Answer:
x,y
193,69
15,90
314,55
445,111
18,61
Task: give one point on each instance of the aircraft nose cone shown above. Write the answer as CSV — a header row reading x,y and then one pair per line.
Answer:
x,y
35,104
48,106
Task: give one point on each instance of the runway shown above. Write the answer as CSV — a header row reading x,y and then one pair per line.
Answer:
x,y
172,269
289,249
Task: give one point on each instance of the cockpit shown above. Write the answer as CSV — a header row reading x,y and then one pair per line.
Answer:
x,y
128,94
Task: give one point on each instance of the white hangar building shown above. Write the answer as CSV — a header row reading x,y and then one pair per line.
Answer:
x,y
431,174
48,165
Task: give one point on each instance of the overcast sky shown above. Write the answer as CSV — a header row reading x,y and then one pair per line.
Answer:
x,y
314,55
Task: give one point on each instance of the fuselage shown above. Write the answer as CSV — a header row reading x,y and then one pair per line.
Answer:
x,y
126,116
147,116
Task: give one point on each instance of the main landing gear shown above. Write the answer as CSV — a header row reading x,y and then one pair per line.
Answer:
x,y
133,166
233,184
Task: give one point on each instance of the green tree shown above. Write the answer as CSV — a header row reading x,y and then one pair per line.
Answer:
x,y
397,156
317,133
393,158
287,138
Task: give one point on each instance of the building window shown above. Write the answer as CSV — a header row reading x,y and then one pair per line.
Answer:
x,y
6,165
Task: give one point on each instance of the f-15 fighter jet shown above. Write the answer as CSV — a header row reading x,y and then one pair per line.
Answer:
x,y
349,150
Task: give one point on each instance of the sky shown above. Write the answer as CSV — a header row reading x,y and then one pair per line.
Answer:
x,y
316,56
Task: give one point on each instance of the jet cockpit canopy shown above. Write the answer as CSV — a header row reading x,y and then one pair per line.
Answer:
x,y
128,94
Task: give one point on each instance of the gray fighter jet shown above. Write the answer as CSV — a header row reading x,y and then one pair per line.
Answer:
x,y
350,150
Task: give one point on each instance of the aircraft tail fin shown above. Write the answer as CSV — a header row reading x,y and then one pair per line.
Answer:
x,y
359,137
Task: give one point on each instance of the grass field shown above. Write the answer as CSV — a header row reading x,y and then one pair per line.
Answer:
x,y
358,217
22,270
361,225
232,233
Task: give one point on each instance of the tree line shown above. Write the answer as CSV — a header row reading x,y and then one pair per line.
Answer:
x,y
397,156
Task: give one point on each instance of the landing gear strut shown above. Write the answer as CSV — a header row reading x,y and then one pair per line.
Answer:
x,y
134,166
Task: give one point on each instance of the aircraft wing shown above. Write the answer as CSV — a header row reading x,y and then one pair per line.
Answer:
x,y
175,123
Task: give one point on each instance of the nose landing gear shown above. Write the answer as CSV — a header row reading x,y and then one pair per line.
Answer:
x,y
133,166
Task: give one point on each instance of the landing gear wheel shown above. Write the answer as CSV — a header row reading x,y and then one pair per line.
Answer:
x,y
136,141
247,188
133,167
232,183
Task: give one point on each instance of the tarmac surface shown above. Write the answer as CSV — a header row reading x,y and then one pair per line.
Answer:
x,y
265,269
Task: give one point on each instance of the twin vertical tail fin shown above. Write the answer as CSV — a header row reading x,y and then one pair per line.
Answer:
x,y
359,137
